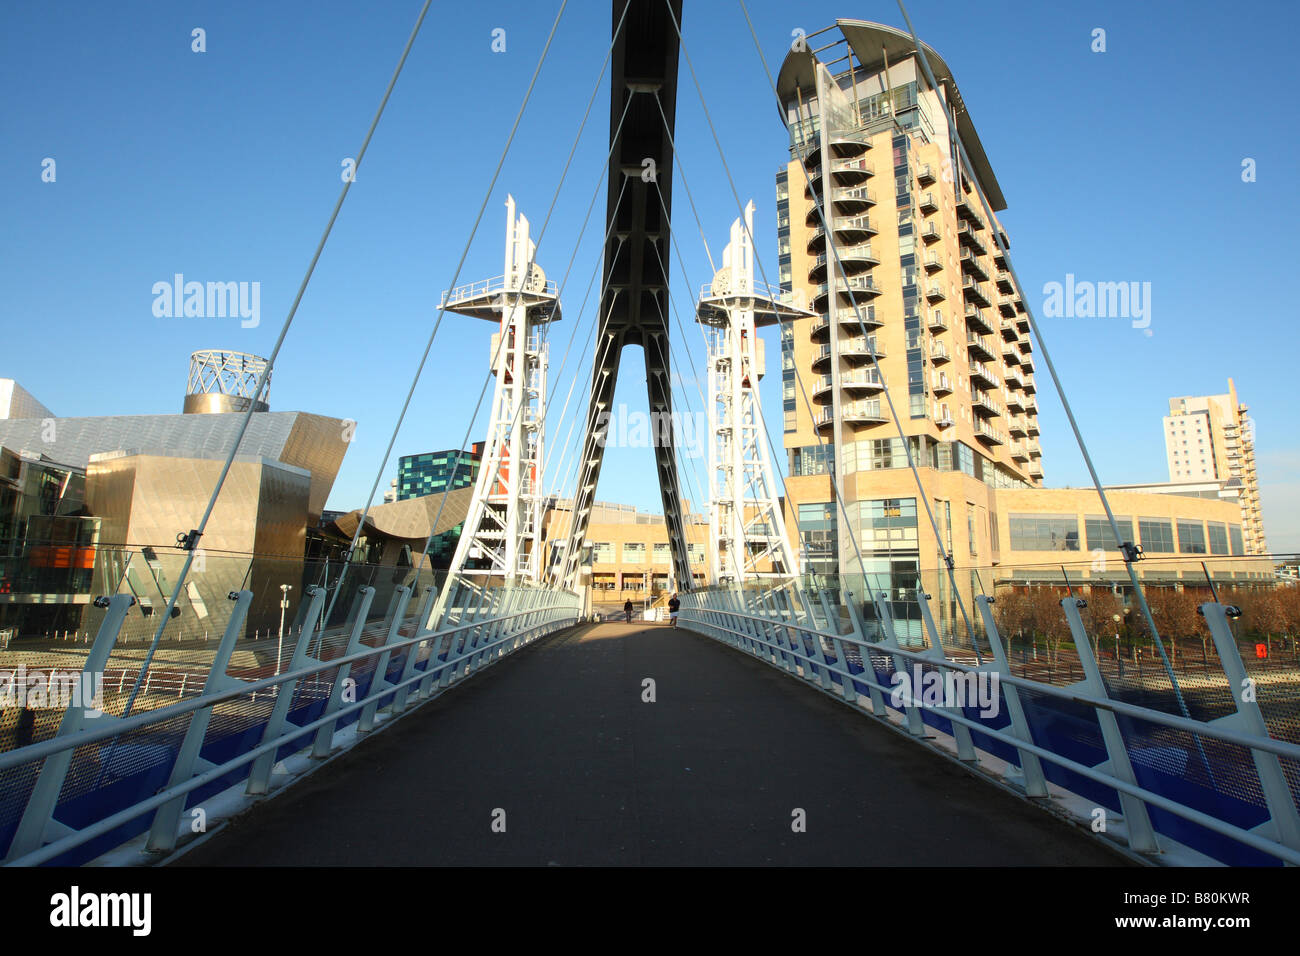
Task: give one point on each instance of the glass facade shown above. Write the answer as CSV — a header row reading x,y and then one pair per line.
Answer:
x,y
817,533
1191,537
436,472
1100,535
1217,533
1157,535
1044,532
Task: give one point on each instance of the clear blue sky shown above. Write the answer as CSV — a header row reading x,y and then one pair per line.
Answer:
x,y
1116,166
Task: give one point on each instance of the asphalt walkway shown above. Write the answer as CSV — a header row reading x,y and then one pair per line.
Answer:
x,y
556,743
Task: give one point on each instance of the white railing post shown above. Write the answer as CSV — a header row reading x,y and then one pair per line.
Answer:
x,y
325,734
915,723
1283,825
162,834
259,775
38,825
868,668
404,693
1141,835
379,680
960,732
1031,770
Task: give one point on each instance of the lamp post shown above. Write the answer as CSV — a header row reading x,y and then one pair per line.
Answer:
x,y
284,606
1119,664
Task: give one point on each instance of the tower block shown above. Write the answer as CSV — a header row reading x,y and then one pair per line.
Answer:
x,y
501,537
746,526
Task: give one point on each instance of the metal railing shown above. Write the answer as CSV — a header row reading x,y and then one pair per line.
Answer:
x,y
103,780
1189,790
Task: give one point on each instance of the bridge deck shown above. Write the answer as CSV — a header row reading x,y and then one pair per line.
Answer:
x,y
587,773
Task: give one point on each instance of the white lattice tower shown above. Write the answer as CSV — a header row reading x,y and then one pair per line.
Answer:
x,y
502,534
746,526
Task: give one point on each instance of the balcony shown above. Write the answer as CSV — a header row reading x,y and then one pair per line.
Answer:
x,y
942,415
927,203
968,238
854,229
1014,402
937,322
978,320
860,349
1008,330
940,383
933,264
931,234
865,381
1010,354
1007,305
1029,386
981,346
1018,451
870,412
984,404
987,433
1016,425
1014,381
976,292
934,292
925,175
847,316
1034,450
1004,282
854,260
862,380
1031,425
1024,346
971,265
851,171
820,330
983,376
939,353
1035,469
969,210
858,288
850,200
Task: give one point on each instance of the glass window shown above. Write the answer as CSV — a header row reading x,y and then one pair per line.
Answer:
x,y
1044,532
602,552
663,554
1191,537
634,551
1218,535
1100,535
1234,534
1157,535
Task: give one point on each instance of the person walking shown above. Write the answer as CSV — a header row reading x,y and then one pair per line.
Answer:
x,y
627,610
673,605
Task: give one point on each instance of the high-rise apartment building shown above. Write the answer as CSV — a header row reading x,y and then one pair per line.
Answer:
x,y
905,241
907,250
1210,438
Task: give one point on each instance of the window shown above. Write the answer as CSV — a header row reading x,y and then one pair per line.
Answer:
x,y
812,459
1191,537
970,530
1100,535
1218,535
885,523
1044,532
634,551
1157,535
663,554
1234,534
817,530
602,552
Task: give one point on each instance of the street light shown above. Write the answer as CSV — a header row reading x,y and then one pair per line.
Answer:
x,y
279,644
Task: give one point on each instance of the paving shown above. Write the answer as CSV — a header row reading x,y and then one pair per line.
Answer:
x,y
552,757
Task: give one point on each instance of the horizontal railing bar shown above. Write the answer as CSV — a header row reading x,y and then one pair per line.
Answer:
x,y
118,727
73,840
1195,816
1270,744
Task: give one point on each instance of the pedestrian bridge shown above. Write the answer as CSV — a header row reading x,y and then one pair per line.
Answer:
x,y
767,728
